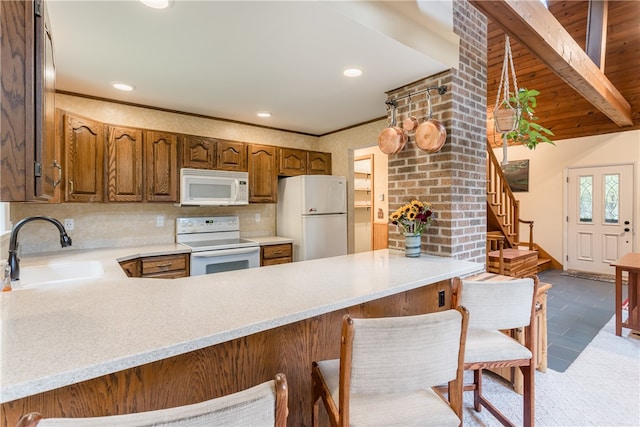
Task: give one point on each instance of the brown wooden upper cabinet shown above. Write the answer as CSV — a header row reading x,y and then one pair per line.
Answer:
x,y
318,163
263,173
294,162
231,156
28,153
161,163
197,152
124,164
84,146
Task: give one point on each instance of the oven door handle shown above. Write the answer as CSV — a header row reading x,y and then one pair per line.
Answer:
x,y
223,252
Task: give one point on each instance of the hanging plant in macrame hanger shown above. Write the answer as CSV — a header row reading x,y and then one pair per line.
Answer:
x,y
506,113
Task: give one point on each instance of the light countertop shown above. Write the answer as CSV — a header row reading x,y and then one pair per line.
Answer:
x,y
64,334
271,240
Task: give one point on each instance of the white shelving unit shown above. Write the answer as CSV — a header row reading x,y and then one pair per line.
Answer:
x,y
363,201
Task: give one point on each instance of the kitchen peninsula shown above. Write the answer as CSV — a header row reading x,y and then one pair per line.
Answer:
x,y
117,344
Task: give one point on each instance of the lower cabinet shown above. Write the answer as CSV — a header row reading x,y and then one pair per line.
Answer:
x,y
160,267
276,254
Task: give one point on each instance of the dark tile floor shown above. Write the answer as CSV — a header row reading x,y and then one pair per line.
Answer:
x,y
576,311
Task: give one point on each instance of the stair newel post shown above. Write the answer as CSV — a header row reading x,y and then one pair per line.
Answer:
x,y
489,177
515,221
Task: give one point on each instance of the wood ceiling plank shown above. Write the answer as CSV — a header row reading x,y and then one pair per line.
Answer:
x,y
537,29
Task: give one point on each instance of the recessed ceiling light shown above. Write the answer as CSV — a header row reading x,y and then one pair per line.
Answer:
x,y
264,114
123,86
352,72
158,4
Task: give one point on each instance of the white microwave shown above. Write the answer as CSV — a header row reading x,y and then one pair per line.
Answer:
x,y
203,187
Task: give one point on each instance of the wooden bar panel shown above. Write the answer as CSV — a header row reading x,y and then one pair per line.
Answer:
x,y
224,368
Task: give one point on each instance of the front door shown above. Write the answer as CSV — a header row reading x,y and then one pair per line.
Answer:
x,y
600,217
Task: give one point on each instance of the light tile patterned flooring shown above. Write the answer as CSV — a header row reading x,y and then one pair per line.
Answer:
x,y
576,311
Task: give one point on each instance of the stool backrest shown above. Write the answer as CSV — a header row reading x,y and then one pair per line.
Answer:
x,y
393,354
498,304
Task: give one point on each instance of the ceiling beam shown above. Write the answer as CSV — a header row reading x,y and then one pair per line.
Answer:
x,y
538,30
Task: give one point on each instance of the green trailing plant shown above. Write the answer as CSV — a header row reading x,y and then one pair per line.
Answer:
x,y
527,131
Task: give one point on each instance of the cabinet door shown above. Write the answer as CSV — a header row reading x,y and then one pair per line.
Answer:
x,y
131,267
27,88
232,156
124,164
318,163
47,154
263,174
292,162
197,152
84,148
161,154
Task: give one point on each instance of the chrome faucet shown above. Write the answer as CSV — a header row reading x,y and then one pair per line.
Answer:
x,y
14,261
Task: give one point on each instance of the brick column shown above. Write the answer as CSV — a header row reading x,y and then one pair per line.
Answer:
x,y
453,180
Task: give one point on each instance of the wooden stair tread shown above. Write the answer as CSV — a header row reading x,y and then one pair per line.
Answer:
x,y
515,262
513,253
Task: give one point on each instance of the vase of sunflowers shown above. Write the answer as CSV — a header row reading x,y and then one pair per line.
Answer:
x,y
412,219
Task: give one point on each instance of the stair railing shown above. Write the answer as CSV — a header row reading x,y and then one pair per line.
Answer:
x,y
501,199
530,223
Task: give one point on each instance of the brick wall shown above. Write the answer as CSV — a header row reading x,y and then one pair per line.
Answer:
x,y
453,179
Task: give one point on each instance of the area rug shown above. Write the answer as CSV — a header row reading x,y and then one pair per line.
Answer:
x,y
610,278
601,388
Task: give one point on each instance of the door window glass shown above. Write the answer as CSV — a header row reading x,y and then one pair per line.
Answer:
x,y
611,198
586,198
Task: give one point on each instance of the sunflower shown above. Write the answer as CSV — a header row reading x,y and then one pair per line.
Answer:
x,y
412,217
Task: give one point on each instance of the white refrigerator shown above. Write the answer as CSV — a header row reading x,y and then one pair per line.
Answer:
x,y
312,210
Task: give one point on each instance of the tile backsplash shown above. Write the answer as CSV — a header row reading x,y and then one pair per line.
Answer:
x,y
101,225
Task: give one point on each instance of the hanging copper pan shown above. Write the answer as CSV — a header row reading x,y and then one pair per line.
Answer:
x,y
392,139
411,122
431,133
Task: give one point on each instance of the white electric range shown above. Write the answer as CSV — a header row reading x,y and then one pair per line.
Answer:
x,y
216,244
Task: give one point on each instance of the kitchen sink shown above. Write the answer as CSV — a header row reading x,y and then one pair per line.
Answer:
x,y
57,273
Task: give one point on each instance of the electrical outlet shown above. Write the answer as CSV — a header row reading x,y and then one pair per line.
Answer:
x,y
257,217
440,298
160,221
68,224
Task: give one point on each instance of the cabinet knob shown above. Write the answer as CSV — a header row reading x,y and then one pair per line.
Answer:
x,y
70,186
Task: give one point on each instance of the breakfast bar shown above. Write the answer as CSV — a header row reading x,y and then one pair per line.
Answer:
x,y
117,345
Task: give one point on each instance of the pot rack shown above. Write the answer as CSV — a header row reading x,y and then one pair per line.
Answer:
x,y
394,102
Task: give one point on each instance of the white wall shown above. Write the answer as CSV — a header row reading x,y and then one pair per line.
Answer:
x,y
544,203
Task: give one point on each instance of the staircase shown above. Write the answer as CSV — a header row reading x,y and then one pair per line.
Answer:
x,y
506,252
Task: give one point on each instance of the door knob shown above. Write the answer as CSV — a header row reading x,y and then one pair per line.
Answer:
x,y
626,229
